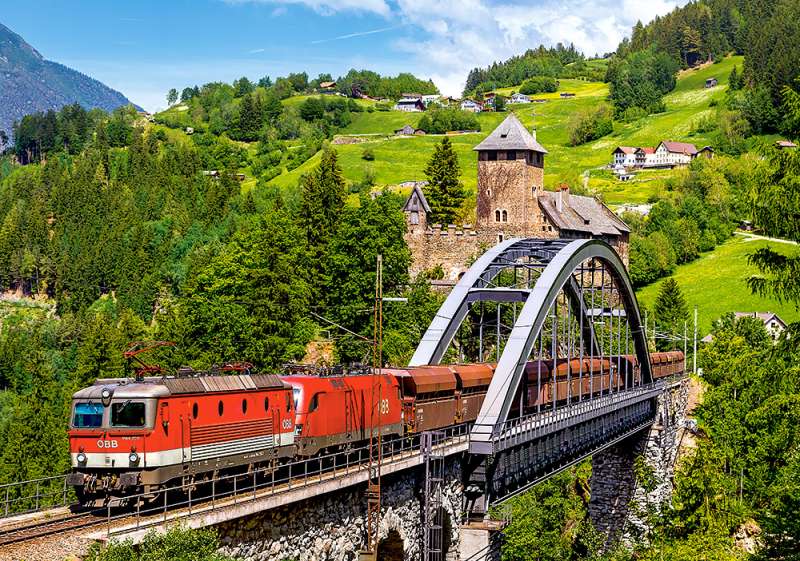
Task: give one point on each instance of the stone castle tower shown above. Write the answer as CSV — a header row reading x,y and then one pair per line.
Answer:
x,y
511,202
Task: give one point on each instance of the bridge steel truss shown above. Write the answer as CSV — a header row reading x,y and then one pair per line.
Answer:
x,y
577,302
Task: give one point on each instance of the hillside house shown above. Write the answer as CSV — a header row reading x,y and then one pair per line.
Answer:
x,y
327,88
772,323
706,152
410,104
644,156
784,144
407,130
430,98
670,154
567,94
511,202
711,82
471,105
624,156
519,98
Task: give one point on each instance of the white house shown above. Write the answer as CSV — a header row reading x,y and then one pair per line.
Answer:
x,y
624,156
410,104
772,321
519,98
430,98
471,105
672,154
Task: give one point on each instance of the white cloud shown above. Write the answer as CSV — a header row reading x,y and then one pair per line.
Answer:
x,y
463,34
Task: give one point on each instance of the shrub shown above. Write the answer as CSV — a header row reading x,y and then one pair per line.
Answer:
x,y
539,84
367,154
382,107
589,125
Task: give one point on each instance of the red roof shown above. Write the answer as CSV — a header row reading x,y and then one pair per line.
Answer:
x,y
646,150
625,149
680,147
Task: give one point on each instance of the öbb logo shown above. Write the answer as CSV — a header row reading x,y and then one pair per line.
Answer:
x,y
107,444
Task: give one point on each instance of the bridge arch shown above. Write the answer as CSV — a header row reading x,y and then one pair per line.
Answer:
x,y
561,266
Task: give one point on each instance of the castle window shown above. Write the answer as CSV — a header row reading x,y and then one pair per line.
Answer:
x,y
500,238
415,218
549,228
488,192
492,155
505,216
544,228
497,216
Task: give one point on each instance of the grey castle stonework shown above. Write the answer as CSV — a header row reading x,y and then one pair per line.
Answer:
x,y
511,202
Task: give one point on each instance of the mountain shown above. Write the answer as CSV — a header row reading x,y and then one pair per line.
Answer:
x,y
29,83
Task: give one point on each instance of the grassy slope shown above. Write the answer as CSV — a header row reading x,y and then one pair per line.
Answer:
x,y
400,160
715,283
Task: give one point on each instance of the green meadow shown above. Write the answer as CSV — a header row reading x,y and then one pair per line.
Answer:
x,y
404,159
717,283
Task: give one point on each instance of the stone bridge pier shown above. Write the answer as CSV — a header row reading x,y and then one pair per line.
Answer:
x,y
331,527
624,494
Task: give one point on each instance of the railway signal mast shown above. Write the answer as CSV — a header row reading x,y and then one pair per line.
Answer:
x,y
375,441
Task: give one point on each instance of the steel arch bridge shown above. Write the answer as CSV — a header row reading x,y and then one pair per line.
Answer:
x,y
577,302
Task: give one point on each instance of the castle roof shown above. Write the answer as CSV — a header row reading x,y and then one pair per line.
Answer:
x,y
416,200
581,214
510,135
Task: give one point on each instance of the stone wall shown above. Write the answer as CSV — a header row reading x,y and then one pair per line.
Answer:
x,y
620,503
332,527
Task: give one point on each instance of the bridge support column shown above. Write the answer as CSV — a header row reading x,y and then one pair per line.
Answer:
x,y
626,493
480,541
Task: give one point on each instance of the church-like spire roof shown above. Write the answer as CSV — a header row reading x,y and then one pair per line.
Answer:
x,y
510,135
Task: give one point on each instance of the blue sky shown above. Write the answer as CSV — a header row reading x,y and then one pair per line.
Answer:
x,y
143,48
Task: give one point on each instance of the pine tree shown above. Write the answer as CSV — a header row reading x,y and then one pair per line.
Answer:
x,y
321,204
735,80
172,97
671,314
445,193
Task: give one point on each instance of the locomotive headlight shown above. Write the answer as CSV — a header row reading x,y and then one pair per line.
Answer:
x,y
133,457
105,396
81,457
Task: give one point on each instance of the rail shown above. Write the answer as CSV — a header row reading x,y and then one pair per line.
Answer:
x,y
230,490
32,495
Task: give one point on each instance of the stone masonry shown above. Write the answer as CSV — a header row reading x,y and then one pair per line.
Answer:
x,y
332,527
511,202
620,503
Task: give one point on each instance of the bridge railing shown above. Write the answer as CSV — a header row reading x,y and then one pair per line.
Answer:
x,y
32,495
513,432
229,490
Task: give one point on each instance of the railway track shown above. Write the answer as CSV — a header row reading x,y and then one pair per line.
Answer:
x,y
48,527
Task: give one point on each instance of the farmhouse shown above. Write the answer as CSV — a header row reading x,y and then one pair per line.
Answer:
x,y
511,202
624,156
567,94
408,130
772,323
711,82
519,98
471,105
327,87
410,104
784,144
644,156
670,154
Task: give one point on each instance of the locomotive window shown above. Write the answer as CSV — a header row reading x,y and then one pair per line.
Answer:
x,y
87,415
266,403
195,411
220,408
127,414
296,393
244,406
312,406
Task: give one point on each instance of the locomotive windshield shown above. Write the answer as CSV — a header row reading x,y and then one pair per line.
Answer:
x,y
127,414
297,393
88,415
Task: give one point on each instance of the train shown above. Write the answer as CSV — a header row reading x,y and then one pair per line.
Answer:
x,y
136,437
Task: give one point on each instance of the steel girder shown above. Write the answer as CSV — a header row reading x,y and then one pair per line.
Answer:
x,y
555,277
448,319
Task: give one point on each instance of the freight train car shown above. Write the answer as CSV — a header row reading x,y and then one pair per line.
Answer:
x,y
137,436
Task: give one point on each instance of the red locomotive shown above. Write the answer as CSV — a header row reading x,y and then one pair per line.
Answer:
x,y
131,436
